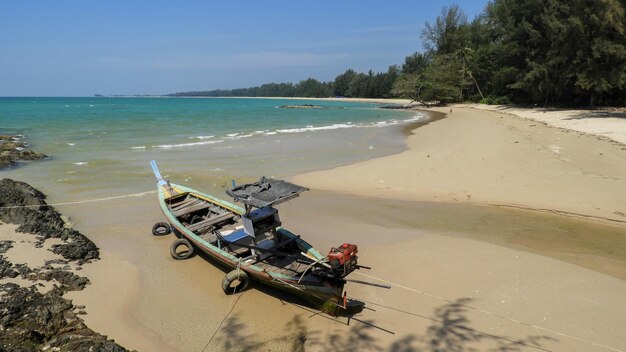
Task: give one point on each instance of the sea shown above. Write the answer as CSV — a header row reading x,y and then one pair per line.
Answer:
x,y
101,146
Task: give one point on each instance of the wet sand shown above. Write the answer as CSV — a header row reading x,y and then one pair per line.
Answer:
x,y
430,249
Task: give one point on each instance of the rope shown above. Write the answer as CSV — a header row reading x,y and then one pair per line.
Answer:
x,y
81,201
231,306
492,314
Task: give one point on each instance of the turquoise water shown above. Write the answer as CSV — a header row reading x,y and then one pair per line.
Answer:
x,y
101,146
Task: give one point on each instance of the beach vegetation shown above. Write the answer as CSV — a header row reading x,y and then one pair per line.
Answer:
x,y
557,52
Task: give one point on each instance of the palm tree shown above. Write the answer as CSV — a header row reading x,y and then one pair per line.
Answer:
x,y
464,55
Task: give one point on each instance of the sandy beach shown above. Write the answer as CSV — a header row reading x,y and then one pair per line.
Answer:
x,y
483,157
495,232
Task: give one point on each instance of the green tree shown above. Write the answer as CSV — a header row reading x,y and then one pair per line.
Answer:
x,y
407,86
597,29
447,34
415,63
342,82
440,82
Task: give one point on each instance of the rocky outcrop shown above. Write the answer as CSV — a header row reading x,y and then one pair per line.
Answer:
x,y
34,321
13,150
397,107
23,205
303,106
31,320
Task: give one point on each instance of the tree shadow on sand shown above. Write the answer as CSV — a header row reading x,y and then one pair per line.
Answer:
x,y
598,115
450,331
232,337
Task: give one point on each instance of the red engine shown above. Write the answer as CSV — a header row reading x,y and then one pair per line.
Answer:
x,y
343,260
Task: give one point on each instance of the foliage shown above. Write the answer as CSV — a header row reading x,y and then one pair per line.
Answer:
x,y
493,100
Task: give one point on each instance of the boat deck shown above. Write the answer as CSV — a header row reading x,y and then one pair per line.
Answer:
x,y
214,223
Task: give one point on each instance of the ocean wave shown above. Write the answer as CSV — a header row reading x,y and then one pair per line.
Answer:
x,y
320,128
201,137
416,117
182,145
80,163
139,147
71,144
237,136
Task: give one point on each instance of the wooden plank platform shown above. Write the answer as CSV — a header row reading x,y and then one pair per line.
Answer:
x,y
195,206
210,222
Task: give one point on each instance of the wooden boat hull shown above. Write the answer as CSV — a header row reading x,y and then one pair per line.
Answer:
x,y
324,295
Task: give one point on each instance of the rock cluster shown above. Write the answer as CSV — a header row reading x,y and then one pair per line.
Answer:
x,y
23,205
12,150
31,320
303,106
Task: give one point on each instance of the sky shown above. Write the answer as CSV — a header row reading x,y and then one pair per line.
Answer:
x,y
82,48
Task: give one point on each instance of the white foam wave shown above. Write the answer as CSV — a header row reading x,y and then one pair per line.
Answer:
x,y
201,137
71,144
415,118
312,128
182,145
139,147
81,163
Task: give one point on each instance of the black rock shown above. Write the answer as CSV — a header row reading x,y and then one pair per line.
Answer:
x,y
13,150
29,210
32,321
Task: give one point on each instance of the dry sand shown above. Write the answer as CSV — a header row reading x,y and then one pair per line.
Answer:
x,y
609,123
484,157
451,292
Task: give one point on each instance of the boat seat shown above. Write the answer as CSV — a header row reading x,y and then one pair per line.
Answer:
x,y
187,209
236,236
183,203
210,222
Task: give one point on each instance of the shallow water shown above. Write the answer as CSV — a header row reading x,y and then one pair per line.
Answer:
x,y
102,146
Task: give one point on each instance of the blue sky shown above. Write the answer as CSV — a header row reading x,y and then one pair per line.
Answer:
x,y
80,48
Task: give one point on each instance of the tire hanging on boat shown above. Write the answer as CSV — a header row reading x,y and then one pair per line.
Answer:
x,y
235,275
184,255
161,229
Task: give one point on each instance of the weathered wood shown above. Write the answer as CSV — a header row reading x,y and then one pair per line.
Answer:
x,y
191,208
210,222
183,203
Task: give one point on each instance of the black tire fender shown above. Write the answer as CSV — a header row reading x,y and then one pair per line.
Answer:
x,y
184,255
235,275
161,229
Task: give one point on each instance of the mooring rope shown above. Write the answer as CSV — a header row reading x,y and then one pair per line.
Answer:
x,y
81,201
491,313
231,306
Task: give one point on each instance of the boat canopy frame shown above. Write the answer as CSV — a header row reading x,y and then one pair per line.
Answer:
x,y
265,192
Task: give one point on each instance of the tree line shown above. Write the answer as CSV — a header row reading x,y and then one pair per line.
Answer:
x,y
544,52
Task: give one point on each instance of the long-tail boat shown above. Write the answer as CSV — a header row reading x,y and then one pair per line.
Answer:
x,y
252,244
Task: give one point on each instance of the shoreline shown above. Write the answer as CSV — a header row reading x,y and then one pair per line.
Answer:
x,y
518,164
430,246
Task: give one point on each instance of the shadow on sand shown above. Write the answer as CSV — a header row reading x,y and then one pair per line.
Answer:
x,y
598,115
450,330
